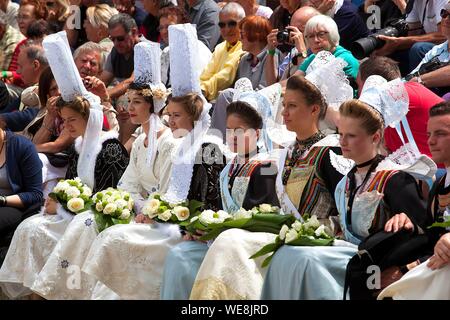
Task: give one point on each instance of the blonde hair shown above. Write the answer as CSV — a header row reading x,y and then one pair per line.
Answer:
x,y
79,105
371,119
100,14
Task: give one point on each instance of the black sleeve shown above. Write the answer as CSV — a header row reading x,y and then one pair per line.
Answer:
x,y
328,173
205,185
71,172
402,194
261,188
110,165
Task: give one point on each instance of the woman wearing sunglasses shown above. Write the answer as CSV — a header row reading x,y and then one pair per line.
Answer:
x,y
220,73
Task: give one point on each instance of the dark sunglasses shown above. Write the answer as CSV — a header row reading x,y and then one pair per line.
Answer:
x,y
230,24
119,38
50,4
444,13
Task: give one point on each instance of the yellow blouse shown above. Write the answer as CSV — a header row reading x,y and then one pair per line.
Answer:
x,y
220,72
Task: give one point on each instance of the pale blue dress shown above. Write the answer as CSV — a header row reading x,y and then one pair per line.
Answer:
x,y
318,273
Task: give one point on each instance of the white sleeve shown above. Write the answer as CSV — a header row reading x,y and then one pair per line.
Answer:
x,y
413,16
130,181
438,6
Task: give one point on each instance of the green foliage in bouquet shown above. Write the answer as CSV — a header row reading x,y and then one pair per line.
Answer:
x,y
112,206
263,218
162,211
307,233
73,195
444,224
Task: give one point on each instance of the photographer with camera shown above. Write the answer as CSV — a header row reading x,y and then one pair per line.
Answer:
x,y
433,71
291,41
424,24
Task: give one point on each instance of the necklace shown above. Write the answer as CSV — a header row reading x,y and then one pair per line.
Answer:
x,y
365,164
300,147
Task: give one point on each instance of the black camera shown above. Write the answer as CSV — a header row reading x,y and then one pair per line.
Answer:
x,y
283,37
364,47
432,65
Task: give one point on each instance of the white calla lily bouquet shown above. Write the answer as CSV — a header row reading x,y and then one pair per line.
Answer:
x,y
262,218
73,195
162,211
307,233
112,206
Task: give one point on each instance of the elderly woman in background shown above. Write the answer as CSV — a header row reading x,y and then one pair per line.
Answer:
x,y
321,33
254,32
96,25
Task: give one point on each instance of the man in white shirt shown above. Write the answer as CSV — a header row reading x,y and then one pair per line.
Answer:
x,y
424,22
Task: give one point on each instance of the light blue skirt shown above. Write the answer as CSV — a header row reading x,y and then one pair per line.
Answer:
x,y
307,273
180,269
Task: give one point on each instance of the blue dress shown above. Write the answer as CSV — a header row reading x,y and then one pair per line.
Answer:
x,y
319,272
184,260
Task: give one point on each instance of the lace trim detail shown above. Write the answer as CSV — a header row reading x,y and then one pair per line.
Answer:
x,y
390,99
213,289
184,70
407,160
326,72
341,164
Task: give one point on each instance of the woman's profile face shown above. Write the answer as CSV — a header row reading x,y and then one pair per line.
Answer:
x,y
297,114
180,122
241,139
74,122
356,143
138,108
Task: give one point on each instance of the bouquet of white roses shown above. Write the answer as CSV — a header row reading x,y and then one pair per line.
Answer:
x,y
112,206
162,211
73,195
307,233
263,218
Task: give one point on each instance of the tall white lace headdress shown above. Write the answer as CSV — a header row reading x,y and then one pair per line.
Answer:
x,y
147,72
70,85
391,100
264,101
326,72
185,79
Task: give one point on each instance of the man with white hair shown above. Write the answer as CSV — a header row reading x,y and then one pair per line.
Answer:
x,y
219,74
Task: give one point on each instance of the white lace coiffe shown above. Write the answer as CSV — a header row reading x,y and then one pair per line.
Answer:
x,y
70,85
147,71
